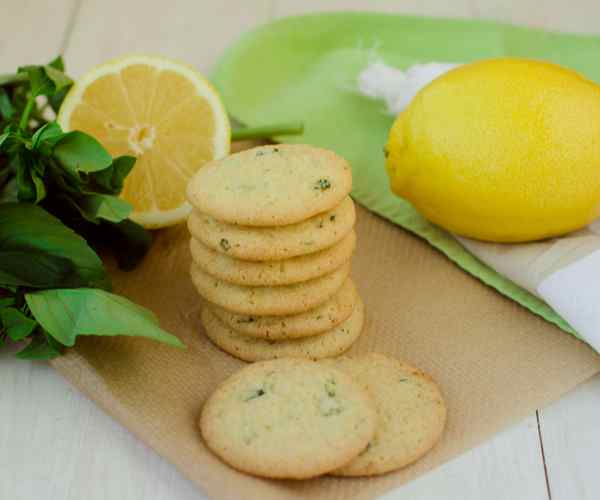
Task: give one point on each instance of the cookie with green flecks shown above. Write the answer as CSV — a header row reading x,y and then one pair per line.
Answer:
x,y
271,185
274,243
312,322
410,409
324,345
269,300
273,272
288,418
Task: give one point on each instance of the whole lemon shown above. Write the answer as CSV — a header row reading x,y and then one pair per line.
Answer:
x,y
503,150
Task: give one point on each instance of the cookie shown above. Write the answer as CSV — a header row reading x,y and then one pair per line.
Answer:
x,y
269,300
275,243
271,185
324,345
410,408
312,322
288,418
273,272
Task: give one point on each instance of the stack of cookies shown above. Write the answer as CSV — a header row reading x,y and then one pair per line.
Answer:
x,y
272,238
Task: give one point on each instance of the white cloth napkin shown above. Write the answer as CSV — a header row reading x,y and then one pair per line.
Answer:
x,y
564,272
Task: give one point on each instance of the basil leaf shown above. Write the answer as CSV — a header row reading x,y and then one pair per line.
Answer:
x,y
72,201
59,79
11,140
46,137
40,188
65,180
6,108
26,188
56,99
45,80
9,192
67,313
57,63
3,138
104,206
6,302
129,241
29,226
80,152
17,325
41,348
111,179
33,268
40,83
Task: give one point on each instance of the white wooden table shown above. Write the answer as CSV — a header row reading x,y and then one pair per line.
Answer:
x,y
57,445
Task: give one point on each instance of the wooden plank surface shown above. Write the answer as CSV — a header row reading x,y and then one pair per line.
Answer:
x,y
571,434
57,445
193,31
33,31
507,467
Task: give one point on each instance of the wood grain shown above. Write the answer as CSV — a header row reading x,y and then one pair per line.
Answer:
x,y
193,31
571,433
33,32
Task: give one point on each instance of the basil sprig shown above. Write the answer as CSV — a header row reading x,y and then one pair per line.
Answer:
x,y
59,194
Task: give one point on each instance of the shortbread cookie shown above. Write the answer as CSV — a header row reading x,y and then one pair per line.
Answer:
x,y
273,272
275,243
269,300
271,185
288,418
312,322
410,408
325,345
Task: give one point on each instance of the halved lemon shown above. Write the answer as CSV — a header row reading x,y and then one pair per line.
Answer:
x,y
163,112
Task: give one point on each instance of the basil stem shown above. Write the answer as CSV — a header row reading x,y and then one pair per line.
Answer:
x,y
267,131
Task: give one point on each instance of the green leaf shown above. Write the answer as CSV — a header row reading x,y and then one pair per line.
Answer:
x,y
29,226
39,81
40,348
17,325
9,192
68,313
29,181
80,152
65,180
6,302
57,63
56,99
36,269
112,179
46,137
129,241
11,139
40,188
104,206
59,79
46,80
3,138
26,188
7,110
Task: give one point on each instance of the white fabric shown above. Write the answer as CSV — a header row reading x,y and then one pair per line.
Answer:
x,y
574,293
396,87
